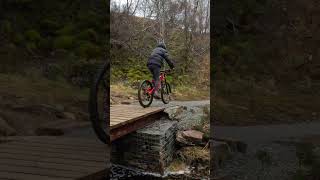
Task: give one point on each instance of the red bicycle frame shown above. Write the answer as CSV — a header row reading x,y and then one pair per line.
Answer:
x,y
162,78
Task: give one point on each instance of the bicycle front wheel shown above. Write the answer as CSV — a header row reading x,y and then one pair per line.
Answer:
x,y
165,93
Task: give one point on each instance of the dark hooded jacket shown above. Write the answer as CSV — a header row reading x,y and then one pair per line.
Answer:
x,y
159,55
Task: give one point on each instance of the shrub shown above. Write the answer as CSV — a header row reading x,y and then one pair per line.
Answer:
x,y
33,36
227,53
66,30
63,42
18,39
49,26
45,44
31,46
89,35
6,27
88,50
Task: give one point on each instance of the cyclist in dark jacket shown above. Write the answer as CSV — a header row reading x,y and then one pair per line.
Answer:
x,y
155,62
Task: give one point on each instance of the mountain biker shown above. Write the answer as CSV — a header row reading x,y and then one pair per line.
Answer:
x,y
155,62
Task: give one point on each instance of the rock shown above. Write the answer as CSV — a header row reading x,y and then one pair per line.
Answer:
x,y
187,117
221,152
66,115
125,102
174,112
69,115
189,137
6,129
235,145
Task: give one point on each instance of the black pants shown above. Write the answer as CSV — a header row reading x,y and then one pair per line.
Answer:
x,y
155,71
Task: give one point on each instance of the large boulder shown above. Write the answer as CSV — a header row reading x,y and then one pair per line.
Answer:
x,y
188,116
189,137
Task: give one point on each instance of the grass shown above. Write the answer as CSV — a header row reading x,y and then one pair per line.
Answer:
x,y
243,104
38,90
182,93
194,153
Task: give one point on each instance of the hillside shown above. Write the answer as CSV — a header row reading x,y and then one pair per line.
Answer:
x,y
266,61
133,39
49,51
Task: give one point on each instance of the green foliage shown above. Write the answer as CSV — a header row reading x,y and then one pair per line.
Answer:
x,y
89,35
31,46
18,39
228,53
88,50
137,75
66,30
33,36
6,27
49,26
63,42
45,44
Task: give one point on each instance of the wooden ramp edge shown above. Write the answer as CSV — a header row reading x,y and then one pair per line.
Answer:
x,y
128,118
47,157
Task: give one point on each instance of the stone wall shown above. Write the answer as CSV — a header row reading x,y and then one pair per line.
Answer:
x,y
150,149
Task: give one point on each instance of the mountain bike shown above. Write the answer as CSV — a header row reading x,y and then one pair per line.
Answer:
x,y
146,90
99,104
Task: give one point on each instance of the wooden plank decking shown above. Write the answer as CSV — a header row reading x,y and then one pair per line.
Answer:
x,y
45,157
128,118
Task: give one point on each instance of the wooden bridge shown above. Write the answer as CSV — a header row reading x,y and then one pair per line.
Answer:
x,y
125,119
49,158
64,158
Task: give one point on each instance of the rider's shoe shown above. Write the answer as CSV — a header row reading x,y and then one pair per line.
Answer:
x,y
156,95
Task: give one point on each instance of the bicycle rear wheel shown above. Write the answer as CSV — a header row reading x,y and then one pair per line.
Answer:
x,y
99,104
145,99
165,93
